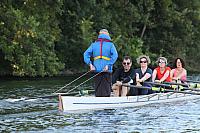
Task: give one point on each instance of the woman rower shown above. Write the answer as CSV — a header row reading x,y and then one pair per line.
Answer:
x,y
142,74
162,72
179,73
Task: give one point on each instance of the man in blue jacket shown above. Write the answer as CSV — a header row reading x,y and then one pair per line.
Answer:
x,y
104,55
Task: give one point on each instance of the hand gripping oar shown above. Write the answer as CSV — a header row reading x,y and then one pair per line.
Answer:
x,y
72,81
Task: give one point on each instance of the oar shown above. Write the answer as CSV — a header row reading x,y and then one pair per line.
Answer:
x,y
84,82
192,89
158,84
72,81
68,93
178,86
162,89
81,93
194,84
183,86
55,93
41,97
174,83
169,84
184,92
134,86
192,81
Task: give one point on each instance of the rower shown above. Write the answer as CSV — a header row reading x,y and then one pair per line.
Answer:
x,y
142,74
162,72
123,76
179,73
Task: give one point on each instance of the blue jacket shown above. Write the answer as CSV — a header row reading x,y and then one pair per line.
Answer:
x,y
107,56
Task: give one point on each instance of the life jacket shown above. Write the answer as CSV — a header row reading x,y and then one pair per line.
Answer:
x,y
101,40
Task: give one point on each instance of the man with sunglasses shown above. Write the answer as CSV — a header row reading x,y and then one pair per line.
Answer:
x,y
104,55
121,76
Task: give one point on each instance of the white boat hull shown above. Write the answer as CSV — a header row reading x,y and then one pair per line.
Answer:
x,y
70,103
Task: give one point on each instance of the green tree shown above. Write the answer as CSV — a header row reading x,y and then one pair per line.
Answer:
x,y
29,30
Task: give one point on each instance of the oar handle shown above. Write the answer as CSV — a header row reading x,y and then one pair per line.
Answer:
x,y
134,86
158,84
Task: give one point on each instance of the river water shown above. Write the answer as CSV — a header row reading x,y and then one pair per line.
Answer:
x,y
42,115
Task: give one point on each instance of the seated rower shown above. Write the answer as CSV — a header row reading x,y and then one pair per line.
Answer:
x,y
122,76
142,74
179,73
162,72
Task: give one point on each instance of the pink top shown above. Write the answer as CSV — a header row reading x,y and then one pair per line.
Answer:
x,y
183,77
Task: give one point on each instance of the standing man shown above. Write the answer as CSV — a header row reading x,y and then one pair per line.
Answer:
x,y
104,55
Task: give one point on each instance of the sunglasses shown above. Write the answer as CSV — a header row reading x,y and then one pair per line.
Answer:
x,y
161,62
126,63
143,61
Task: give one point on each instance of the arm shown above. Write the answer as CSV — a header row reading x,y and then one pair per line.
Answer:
x,y
115,76
137,77
114,55
145,77
87,55
165,76
172,74
154,75
183,76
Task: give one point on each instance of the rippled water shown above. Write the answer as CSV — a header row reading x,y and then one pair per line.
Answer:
x,y
42,115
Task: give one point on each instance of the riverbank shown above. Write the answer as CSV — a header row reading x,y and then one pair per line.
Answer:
x,y
73,73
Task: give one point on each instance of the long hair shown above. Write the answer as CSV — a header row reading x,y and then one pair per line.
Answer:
x,y
182,62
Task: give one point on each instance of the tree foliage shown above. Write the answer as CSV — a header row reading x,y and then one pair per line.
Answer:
x,y
37,37
29,30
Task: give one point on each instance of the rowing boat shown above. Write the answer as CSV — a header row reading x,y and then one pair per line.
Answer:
x,y
73,103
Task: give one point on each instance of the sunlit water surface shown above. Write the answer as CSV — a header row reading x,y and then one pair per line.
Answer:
x,y
42,115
